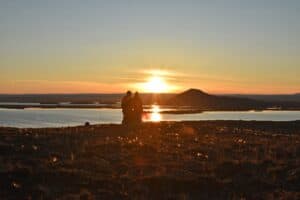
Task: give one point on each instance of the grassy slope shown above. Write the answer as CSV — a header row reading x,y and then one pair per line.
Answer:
x,y
192,160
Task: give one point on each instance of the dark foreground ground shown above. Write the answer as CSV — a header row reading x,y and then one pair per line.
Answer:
x,y
182,160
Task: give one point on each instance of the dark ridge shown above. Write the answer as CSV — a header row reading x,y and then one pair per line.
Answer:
x,y
194,91
203,100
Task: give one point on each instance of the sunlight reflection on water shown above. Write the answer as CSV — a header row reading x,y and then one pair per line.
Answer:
x,y
154,114
62,117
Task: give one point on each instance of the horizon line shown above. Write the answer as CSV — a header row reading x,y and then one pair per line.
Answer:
x,y
115,93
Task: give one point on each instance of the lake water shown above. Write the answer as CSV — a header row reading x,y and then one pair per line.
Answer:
x,y
71,117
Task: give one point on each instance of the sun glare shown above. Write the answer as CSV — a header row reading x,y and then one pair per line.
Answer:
x,y
156,81
156,84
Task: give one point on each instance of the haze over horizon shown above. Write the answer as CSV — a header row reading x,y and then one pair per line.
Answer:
x,y
73,46
175,92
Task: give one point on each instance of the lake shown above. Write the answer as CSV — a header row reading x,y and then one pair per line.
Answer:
x,y
37,117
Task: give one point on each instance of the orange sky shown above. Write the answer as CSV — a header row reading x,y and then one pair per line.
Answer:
x,y
110,46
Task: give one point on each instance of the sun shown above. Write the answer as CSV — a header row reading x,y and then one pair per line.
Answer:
x,y
156,81
156,84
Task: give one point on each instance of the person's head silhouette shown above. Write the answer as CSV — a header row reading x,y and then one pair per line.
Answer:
x,y
136,94
128,93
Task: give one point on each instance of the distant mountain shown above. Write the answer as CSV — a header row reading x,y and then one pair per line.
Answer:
x,y
192,97
200,99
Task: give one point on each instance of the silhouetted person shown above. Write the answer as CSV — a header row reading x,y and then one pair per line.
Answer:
x,y
127,108
137,108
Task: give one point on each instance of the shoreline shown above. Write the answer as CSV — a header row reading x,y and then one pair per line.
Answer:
x,y
97,125
247,123
180,110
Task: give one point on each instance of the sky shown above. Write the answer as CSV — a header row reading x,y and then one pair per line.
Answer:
x,y
95,46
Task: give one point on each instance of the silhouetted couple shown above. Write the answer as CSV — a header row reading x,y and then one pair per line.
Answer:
x,y
132,108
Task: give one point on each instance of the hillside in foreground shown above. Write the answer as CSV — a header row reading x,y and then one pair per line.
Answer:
x,y
183,160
